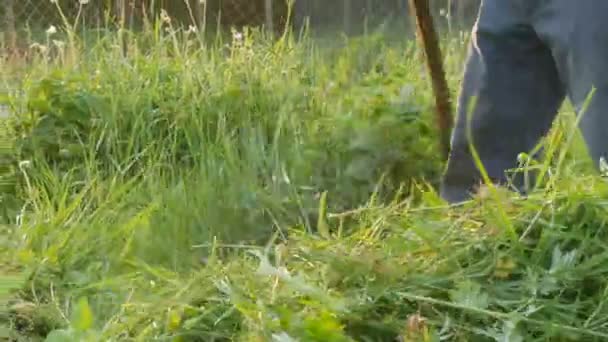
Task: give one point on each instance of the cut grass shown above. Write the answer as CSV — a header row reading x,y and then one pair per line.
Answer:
x,y
271,190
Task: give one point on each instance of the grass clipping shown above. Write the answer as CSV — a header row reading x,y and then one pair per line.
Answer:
x,y
427,273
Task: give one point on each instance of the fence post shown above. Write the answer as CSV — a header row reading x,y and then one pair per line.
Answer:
x,y
347,14
119,8
10,24
269,15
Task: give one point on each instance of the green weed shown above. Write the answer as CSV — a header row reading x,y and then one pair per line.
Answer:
x,y
162,187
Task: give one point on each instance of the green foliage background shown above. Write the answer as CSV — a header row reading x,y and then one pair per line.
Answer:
x,y
157,186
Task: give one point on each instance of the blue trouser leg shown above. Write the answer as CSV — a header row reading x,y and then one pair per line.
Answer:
x,y
512,74
577,32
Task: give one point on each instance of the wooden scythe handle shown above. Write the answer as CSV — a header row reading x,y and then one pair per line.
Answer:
x,y
427,36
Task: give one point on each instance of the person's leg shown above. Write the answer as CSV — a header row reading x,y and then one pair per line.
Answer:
x,y
513,78
578,35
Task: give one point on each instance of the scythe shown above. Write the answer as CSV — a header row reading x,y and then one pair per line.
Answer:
x,y
427,36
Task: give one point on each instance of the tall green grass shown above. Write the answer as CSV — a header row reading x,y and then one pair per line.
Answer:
x,y
164,187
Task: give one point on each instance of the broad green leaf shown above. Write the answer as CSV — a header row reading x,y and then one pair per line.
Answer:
x,y
469,294
60,335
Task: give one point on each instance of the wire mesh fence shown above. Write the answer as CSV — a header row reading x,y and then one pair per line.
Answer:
x,y
21,17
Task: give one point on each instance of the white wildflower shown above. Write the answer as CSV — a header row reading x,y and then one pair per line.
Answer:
x,y
51,30
24,164
164,16
192,29
238,36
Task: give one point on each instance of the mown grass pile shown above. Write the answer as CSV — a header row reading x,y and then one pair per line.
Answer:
x,y
158,187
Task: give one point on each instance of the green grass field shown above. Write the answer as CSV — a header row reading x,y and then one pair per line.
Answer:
x,y
160,187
